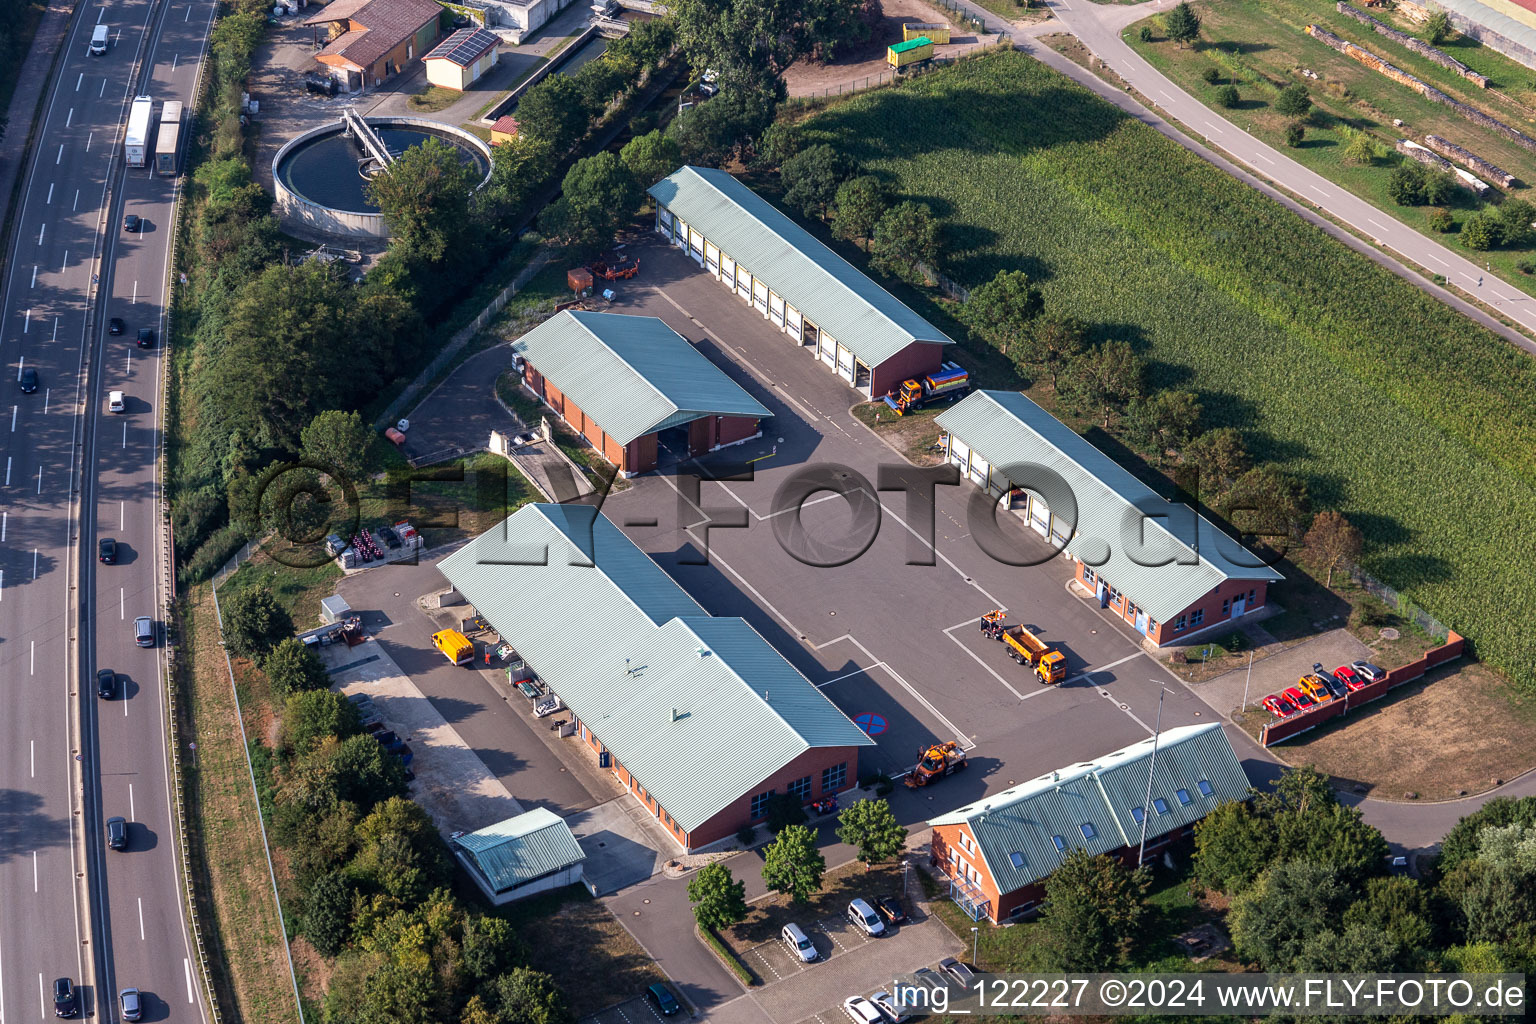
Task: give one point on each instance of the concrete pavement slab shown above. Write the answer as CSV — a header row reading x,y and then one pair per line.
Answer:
x,y
620,851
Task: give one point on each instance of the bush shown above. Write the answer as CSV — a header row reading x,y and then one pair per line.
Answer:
x,y
219,548
1440,220
1228,96
1146,33
783,810
1295,134
1211,75
1293,101
1527,266
746,836
1480,232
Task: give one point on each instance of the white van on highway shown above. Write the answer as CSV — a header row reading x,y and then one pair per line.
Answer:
x,y
99,40
115,401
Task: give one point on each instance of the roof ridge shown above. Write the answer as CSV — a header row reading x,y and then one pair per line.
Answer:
x,y
686,622
870,305
627,364
609,580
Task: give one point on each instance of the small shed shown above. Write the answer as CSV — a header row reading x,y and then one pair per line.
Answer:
x,y
334,609
503,130
459,60
520,856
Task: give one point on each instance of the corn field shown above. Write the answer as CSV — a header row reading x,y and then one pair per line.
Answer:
x,y
1416,423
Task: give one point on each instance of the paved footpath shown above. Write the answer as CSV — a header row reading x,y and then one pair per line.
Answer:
x,y
24,101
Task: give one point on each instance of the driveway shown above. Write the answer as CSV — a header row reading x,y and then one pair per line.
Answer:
x,y
459,414
1279,671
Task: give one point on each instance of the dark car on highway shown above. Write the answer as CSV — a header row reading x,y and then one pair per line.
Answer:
x,y
115,325
28,381
117,833
106,684
106,550
146,337
131,222
66,1001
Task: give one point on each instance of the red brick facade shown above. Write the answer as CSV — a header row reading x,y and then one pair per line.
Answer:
x,y
954,851
1232,599
842,763
916,360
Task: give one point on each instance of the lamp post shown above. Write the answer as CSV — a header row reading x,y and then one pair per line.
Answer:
x,y
1146,808
975,943
906,877
1248,680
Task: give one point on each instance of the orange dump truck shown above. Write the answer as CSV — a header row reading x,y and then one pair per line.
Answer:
x,y
937,761
1024,647
456,647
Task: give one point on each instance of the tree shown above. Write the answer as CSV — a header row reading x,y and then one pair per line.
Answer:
x,y
1406,184
339,439
1334,541
782,810
519,171
400,851
1461,842
1211,75
719,900
780,141
724,127
1093,909
254,623
1440,221
1361,148
1219,456
489,947
1293,101
812,176
1356,948
1399,907
831,26
526,996
1228,96
1515,217
859,204
1440,187
328,912
1295,134
554,110
1276,503
601,80
1182,24
598,196
424,196
1103,380
1480,232
310,717
870,826
1166,421
366,773
292,668
1002,311
1438,28
1053,343
792,865
651,157
1273,921
749,43
907,239
1233,844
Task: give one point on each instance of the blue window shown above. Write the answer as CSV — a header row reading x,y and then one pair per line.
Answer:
x,y
1197,616
1205,788
1138,814
1178,623
1089,832
760,804
1088,574
1161,805
1017,859
1061,844
1183,796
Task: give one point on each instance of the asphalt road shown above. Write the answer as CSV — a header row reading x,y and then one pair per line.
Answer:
x,y
69,760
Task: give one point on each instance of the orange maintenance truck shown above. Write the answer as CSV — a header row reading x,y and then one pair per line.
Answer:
x,y
937,761
456,647
1024,647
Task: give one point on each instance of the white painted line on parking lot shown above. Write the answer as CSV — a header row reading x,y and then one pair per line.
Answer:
x,y
790,399
64,265
32,749
91,135
1125,708
187,966
101,14
1101,668
2,598
965,741
977,658
47,392
174,59
135,292
188,14
102,93
829,682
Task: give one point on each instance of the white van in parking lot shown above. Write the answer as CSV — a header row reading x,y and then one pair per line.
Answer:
x,y
799,943
99,40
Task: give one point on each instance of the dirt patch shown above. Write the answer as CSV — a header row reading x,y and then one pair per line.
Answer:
x,y
243,934
1450,734
866,63
313,972
766,917
578,941
913,435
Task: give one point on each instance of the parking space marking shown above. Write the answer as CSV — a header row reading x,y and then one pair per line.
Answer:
x,y
965,741
977,658
1101,668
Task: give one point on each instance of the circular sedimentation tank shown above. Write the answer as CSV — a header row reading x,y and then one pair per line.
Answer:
x,y
320,176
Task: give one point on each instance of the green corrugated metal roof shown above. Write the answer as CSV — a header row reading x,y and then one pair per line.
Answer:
x,y
1004,428
815,280
911,44
626,648
633,375
521,849
1027,818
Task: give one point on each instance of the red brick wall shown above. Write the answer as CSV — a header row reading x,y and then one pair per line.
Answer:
x,y
701,435
1211,603
916,360
639,456
730,429
553,398
810,762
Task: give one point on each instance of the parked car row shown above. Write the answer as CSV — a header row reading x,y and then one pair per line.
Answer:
x,y
373,724
1320,686
884,1008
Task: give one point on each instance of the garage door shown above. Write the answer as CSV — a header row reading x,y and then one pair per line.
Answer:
x,y
1039,515
776,309
792,321
845,364
760,297
680,233
711,258
696,245
978,470
664,223
828,349
959,453
1059,532
743,282
727,271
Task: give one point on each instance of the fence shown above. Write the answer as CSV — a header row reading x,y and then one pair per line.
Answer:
x,y
1305,721
1400,604
461,338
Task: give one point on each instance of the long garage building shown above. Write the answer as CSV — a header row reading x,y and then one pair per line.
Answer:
x,y
635,388
813,295
1188,576
998,851
698,717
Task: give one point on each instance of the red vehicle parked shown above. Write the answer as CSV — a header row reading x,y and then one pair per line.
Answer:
x,y
1301,700
1279,706
1346,675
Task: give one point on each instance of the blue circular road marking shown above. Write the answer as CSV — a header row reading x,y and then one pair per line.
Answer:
x,y
871,723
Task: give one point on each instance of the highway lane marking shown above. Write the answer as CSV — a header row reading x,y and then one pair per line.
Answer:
x,y
4,519
34,565
125,433
122,603
7,471
46,392
1319,191
1378,224
141,913
40,230
185,963
1166,96
50,192
122,512
135,292
77,200
41,1002
39,486
22,365
1214,127
92,135
32,663
68,118
34,871
131,815
1437,259
26,323
13,430
1266,159
79,81
34,276
60,158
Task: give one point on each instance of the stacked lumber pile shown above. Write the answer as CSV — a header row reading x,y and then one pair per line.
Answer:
x,y
1418,46
1503,179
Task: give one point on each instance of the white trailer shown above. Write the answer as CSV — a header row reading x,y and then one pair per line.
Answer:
x,y
168,142
136,142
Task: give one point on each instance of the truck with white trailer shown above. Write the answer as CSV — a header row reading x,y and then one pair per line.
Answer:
x,y
168,142
136,142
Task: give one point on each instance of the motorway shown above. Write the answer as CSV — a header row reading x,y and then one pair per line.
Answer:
x,y
68,906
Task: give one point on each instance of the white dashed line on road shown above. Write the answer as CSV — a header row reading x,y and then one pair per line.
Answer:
x,y
39,483
1319,191
34,276
4,520
1266,159
131,815
77,200
1214,126
26,322
141,914
187,966
50,192
1378,224
79,81
34,563
68,123
41,228
60,158
7,471
34,871
32,660
122,603
1437,259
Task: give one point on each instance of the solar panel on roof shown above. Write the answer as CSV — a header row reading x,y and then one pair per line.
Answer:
x,y
465,46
